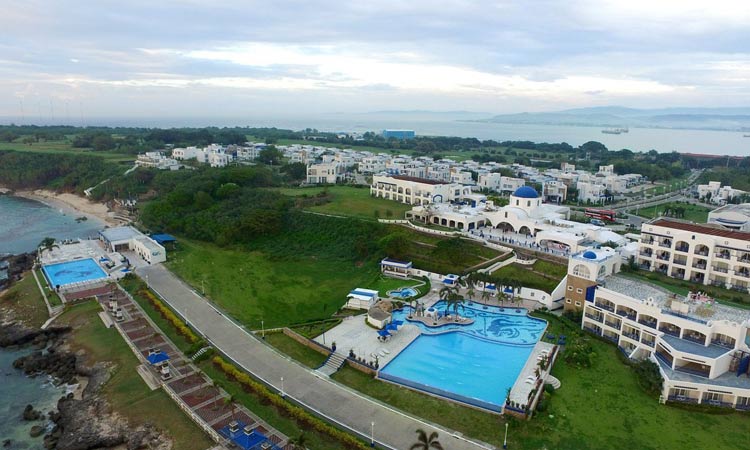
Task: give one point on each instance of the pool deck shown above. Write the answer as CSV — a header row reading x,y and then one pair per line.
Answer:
x,y
353,334
520,391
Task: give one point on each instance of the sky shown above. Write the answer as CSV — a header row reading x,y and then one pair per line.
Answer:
x,y
62,59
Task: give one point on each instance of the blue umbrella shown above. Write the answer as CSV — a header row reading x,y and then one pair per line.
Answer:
x,y
384,333
398,322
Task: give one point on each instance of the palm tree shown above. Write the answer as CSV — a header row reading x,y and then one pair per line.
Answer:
x,y
446,292
230,400
299,442
485,296
47,243
425,442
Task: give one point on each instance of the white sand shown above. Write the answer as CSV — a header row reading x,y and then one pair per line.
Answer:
x,y
71,203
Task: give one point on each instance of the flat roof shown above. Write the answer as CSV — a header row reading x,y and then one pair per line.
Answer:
x,y
702,229
418,180
682,345
726,379
120,233
742,208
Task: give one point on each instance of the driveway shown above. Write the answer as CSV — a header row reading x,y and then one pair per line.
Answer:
x,y
339,404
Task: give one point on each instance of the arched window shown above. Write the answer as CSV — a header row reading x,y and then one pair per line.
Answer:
x,y
581,271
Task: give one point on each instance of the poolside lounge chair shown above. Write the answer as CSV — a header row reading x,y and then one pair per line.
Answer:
x,y
385,350
381,353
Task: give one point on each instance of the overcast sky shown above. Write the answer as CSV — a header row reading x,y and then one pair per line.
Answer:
x,y
201,58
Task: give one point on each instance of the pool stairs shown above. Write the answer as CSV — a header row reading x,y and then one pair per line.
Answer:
x,y
332,364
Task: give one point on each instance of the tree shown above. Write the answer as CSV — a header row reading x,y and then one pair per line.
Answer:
x,y
295,171
270,155
299,442
395,245
425,442
47,243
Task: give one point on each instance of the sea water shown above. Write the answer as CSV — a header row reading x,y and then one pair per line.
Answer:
x,y
16,391
24,223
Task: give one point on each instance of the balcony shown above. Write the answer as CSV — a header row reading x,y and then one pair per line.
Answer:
x,y
696,372
594,317
670,331
682,248
666,359
694,338
645,254
608,306
680,262
663,257
631,335
665,244
629,315
742,274
612,324
647,241
723,255
723,343
720,269
609,337
701,252
592,330
648,323
649,343
699,266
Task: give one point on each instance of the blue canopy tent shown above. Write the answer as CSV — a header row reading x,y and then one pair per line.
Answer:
x,y
490,287
508,290
156,358
163,238
391,327
384,333
398,322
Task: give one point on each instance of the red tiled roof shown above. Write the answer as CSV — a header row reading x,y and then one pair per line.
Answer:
x,y
417,179
702,229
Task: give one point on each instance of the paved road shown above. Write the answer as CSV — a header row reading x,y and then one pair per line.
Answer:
x,y
351,410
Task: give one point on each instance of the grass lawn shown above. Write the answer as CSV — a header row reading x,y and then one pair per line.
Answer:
x,y
125,390
531,279
682,287
52,296
26,302
601,407
384,284
251,286
314,441
62,147
295,350
357,202
694,213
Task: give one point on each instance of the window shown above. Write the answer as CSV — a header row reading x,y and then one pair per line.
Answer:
x,y
579,291
578,303
568,301
528,203
570,288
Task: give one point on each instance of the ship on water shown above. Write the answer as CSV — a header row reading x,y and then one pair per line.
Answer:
x,y
615,130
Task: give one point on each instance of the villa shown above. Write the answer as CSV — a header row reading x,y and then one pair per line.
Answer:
x,y
128,238
702,347
416,191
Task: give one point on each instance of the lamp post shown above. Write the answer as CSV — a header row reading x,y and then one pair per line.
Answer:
x,y
372,434
263,329
282,386
203,288
505,440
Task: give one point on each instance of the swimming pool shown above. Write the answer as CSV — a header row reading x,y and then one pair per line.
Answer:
x,y
474,363
76,271
403,292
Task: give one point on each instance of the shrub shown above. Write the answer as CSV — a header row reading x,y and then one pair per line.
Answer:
x,y
168,315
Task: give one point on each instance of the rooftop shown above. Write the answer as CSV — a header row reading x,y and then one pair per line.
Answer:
x,y
417,179
727,379
701,228
743,208
120,233
683,345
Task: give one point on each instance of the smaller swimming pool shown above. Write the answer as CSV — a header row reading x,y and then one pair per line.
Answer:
x,y
76,271
405,292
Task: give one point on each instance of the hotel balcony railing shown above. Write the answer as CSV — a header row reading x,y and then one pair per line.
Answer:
x,y
680,262
630,316
646,254
608,307
682,248
663,358
744,259
721,255
717,283
631,335
649,343
695,339
718,403
699,266
663,257
648,323
722,343
700,373
742,274
664,271
591,316
683,399
647,241
613,324
702,253
742,407
592,330
670,332
666,244
609,337
719,269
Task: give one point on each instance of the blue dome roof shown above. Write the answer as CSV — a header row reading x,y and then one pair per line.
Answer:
x,y
526,192
588,254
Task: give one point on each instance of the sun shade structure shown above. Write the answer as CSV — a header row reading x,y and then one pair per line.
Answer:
x,y
157,358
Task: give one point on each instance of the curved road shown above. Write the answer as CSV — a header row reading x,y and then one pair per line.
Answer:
x,y
351,410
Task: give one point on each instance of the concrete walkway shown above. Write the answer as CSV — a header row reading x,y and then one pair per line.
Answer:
x,y
348,408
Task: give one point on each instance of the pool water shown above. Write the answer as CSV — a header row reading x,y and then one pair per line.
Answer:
x,y
76,271
474,363
403,293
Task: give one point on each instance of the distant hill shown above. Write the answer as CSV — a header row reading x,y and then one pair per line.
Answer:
x,y
735,119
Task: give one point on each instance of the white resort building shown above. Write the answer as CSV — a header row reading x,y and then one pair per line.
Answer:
x,y
417,191
128,238
700,253
731,217
700,345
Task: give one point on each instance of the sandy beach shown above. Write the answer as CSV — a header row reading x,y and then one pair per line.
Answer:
x,y
71,204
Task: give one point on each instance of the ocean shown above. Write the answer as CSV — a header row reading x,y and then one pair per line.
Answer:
x,y
16,391
24,223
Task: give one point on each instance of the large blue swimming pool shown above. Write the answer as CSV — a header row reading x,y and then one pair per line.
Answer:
x,y
474,363
76,271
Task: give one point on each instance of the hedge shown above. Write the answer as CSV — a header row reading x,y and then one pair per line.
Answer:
x,y
167,314
297,413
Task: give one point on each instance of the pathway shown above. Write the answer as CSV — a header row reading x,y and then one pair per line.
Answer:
x,y
339,404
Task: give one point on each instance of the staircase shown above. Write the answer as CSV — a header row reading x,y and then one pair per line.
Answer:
x,y
332,364
553,381
200,352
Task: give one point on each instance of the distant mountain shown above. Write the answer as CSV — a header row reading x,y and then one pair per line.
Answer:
x,y
734,119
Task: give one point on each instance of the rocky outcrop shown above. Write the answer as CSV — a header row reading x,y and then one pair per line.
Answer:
x,y
15,334
30,414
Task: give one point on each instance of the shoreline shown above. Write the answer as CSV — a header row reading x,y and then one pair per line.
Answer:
x,y
70,204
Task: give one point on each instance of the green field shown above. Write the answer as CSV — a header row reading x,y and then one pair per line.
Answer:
x,y
289,346
125,390
532,278
26,302
693,213
351,202
252,286
62,147
384,284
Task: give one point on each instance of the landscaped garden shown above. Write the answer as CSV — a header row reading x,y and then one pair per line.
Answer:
x,y
26,301
541,275
686,211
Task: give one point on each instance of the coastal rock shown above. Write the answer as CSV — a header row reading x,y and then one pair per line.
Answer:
x,y
17,334
86,424
60,365
7,443
36,431
29,414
